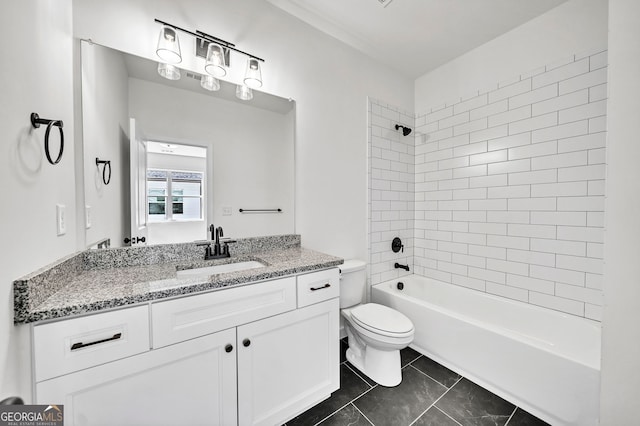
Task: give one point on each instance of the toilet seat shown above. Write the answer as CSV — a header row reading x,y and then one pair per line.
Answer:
x,y
382,320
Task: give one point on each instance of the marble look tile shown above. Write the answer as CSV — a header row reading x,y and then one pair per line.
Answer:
x,y
343,350
407,355
471,405
402,404
351,386
436,371
349,415
523,418
364,377
435,417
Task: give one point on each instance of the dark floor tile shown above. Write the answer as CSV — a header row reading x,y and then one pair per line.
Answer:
x,y
471,405
349,415
351,386
523,418
343,349
407,355
436,371
402,404
366,378
435,417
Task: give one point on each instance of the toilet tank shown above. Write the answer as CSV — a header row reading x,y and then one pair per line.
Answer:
x,y
353,279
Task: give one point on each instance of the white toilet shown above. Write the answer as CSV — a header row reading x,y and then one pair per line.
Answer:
x,y
376,333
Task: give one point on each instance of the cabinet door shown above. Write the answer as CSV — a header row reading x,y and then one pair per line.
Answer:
x,y
193,383
287,363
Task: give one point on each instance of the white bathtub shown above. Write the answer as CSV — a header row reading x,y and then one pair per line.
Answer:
x,y
544,361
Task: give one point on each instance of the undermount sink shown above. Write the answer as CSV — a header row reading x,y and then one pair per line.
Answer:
x,y
220,269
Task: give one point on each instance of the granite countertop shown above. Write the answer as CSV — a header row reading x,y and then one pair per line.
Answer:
x,y
96,289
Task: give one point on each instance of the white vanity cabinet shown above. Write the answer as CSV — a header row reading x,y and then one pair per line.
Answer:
x,y
257,354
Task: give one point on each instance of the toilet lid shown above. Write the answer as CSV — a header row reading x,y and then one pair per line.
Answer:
x,y
381,319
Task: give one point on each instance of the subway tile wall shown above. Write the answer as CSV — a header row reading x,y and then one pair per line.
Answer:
x,y
509,188
391,174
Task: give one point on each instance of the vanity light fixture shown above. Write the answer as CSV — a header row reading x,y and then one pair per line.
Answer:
x,y
216,59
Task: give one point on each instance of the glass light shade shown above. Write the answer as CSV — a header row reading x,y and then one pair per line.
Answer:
x,y
253,75
215,65
210,83
169,46
244,93
168,71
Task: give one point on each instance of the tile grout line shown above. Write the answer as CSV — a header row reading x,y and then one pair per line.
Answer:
x,y
363,415
514,412
441,384
457,422
361,378
439,398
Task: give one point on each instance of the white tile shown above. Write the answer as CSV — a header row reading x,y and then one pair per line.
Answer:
x,y
488,157
488,228
438,115
470,194
531,257
593,109
598,93
438,215
561,73
508,217
486,251
485,274
532,204
508,292
559,189
478,170
453,120
536,95
454,141
463,259
593,312
537,231
599,60
597,156
560,62
595,172
595,250
439,175
470,149
467,282
508,242
581,203
472,103
595,219
571,218
458,162
452,268
538,176
453,226
591,141
562,131
556,303
508,91
559,246
533,72
509,141
509,267
594,281
439,135
470,216
557,274
452,247
533,150
535,123
490,109
578,263
510,116
598,124
454,183
528,283
579,293
437,275
569,159
437,255
487,181
514,166
438,195
490,133
471,126
515,191
495,204
467,238
453,205
584,81
579,233
561,102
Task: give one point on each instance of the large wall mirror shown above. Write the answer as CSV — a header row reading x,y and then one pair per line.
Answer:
x,y
180,157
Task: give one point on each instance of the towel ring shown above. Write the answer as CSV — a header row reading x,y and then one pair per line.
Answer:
x,y
36,121
106,163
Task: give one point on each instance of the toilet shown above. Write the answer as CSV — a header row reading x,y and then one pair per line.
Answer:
x,y
376,332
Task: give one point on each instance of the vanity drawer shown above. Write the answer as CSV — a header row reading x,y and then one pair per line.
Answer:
x,y
75,344
318,286
194,316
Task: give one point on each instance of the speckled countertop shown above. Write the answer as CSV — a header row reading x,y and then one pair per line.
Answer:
x,y
86,282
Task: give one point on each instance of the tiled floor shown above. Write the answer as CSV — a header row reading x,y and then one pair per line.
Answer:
x,y
429,395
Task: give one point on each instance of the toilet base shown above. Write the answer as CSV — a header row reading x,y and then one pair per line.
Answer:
x,y
381,366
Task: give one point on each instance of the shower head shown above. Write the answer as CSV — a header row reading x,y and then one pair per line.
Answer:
x,y
405,130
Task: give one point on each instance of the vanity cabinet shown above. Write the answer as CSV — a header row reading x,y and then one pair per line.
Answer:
x,y
257,354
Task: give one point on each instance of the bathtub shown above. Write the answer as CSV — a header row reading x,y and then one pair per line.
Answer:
x,y
544,361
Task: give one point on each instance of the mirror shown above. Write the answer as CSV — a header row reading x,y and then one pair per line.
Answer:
x,y
175,147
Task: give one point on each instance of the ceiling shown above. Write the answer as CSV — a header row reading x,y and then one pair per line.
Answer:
x,y
415,36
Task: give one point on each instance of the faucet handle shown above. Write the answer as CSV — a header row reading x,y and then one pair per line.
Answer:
x,y
212,229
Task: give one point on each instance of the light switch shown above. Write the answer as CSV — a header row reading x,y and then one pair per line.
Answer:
x,y
61,219
226,211
87,216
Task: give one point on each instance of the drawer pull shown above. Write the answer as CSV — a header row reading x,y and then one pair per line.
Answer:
x,y
327,285
81,345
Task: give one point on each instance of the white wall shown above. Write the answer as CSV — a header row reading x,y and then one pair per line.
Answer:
x,y
105,116
329,81
621,311
36,76
572,27
250,155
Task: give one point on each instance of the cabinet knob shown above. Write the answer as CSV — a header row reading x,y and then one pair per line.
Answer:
x,y
246,342
228,348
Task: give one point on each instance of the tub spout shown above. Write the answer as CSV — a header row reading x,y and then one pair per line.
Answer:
x,y
405,267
